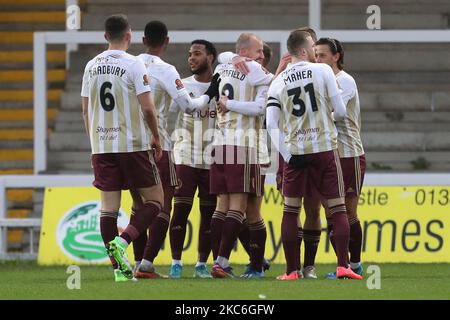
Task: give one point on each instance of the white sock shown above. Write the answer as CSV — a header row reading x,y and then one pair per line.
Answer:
x,y
223,262
146,263
123,241
354,265
137,264
174,262
200,264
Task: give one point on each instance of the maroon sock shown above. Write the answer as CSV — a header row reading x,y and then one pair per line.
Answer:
x,y
289,237
330,233
231,227
354,245
244,236
299,247
108,230
204,232
341,233
181,209
157,235
139,242
258,236
141,221
217,221
139,246
312,239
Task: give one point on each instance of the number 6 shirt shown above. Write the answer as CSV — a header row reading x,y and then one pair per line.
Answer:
x,y
112,81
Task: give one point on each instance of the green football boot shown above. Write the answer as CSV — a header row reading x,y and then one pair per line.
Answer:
x,y
118,251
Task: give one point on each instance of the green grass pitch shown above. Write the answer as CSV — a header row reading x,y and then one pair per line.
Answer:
x,y
26,280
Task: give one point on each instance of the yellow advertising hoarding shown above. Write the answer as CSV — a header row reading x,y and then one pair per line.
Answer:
x,y
400,224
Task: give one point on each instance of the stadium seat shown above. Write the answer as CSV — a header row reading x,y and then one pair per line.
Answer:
x,y
18,20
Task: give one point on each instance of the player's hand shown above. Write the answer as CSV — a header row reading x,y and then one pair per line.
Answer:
x,y
213,90
222,105
284,61
157,149
240,63
298,161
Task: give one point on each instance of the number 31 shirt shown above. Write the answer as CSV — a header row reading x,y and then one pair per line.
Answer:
x,y
303,94
112,81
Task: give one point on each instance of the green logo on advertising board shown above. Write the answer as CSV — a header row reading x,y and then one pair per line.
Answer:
x,y
78,233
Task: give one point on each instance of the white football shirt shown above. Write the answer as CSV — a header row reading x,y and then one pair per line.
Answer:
x,y
166,86
349,129
112,81
234,127
303,93
194,132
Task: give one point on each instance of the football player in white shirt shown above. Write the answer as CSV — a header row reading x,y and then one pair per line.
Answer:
x,y
192,139
312,228
305,95
233,181
351,151
253,233
166,86
118,112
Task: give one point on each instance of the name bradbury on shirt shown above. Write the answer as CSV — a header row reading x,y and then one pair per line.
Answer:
x,y
295,75
117,71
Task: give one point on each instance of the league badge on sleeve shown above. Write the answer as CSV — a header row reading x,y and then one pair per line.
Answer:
x,y
146,80
179,84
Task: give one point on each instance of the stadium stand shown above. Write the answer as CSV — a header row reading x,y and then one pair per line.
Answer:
x,y
18,20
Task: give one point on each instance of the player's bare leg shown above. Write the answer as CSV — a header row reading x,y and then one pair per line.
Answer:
x,y
311,235
230,231
289,237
